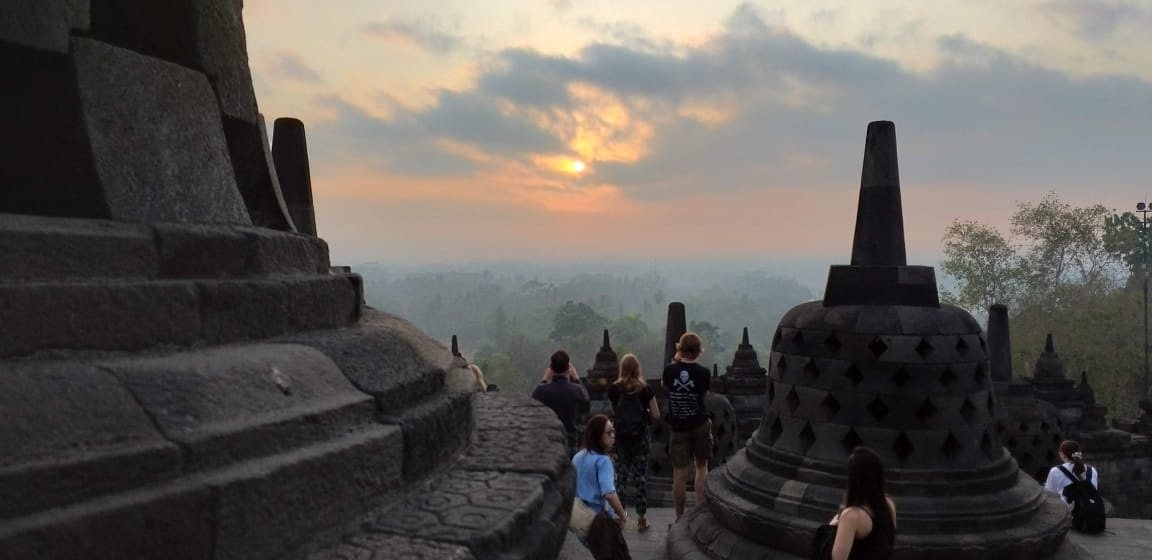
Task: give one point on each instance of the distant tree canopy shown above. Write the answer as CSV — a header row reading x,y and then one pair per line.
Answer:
x,y
1065,270
510,319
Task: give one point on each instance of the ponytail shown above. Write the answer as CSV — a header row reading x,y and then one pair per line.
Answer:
x,y
1072,451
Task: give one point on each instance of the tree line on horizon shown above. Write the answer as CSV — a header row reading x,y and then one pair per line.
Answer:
x,y
1074,272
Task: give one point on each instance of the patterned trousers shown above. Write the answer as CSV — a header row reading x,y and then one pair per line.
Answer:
x,y
632,473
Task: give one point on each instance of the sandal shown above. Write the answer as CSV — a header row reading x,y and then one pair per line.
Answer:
x,y
642,525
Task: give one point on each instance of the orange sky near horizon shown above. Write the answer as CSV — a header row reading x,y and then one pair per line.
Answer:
x,y
450,131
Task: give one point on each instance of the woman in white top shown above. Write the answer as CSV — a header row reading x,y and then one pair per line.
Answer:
x,y
1073,460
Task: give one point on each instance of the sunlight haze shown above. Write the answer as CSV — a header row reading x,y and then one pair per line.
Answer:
x,y
574,129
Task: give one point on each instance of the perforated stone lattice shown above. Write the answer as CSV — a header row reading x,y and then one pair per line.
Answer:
x,y
916,398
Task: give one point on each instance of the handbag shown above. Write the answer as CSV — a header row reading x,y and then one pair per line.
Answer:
x,y
582,515
581,519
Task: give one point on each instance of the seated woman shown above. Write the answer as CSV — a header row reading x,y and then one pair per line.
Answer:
x,y
1072,458
865,526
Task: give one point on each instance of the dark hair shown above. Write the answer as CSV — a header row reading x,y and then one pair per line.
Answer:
x,y
594,434
690,345
866,489
560,362
1071,450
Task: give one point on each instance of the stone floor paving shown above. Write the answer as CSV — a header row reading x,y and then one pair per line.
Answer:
x,y
1126,539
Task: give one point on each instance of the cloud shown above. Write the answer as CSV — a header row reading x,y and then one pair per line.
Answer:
x,y
1095,20
427,34
290,66
561,5
757,107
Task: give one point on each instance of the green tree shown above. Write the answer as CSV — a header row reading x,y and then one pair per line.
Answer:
x,y
578,327
985,265
710,336
1061,271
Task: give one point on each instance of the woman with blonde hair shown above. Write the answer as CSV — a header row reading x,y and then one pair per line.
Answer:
x,y
634,406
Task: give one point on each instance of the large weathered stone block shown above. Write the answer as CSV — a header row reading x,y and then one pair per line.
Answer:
x,y
142,139
205,35
172,522
231,403
41,24
99,316
84,436
36,247
269,508
385,356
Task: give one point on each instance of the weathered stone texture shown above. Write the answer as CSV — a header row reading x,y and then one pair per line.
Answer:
x,y
231,403
42,24
205,35
85,436
35,247
274,506
173,523
445,419
290,154
414,368
92,108
256,173
113,315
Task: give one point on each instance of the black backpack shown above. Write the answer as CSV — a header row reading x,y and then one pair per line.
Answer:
x,y
1087,505
630,419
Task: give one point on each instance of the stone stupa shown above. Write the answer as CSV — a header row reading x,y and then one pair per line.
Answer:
x,y
880,363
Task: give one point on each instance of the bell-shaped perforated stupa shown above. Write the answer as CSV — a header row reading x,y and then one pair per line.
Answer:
x,y
881,363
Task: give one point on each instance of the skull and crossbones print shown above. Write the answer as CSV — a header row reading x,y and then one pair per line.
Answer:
x,y
683,384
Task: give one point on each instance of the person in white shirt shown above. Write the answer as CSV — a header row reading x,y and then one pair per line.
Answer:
x,y
1073,459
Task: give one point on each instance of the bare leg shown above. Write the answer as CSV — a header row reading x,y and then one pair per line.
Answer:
x,y
679,483
701,476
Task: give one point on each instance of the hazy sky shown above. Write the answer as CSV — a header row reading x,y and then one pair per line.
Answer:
x,y
450,129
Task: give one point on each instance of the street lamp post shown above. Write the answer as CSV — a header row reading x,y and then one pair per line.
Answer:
x,y
1144,209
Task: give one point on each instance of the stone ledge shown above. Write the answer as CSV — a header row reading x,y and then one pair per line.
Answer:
x,y
136,315
517,508
445,419
53,248
233,403
415,364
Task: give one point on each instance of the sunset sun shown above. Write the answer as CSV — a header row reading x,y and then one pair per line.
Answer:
x,y
577,166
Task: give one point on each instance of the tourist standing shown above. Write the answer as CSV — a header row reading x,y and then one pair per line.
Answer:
x,y
596,490
633,408
865,526
691,439
561,390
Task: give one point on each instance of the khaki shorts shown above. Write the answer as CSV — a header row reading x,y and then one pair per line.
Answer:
x,y
697,442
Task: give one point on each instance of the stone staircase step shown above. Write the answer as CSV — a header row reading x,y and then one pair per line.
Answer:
x,y
508,497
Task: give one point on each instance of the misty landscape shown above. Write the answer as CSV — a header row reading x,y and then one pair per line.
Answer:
x,y
510,317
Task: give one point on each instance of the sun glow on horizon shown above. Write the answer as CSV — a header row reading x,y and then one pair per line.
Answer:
x,y
578,166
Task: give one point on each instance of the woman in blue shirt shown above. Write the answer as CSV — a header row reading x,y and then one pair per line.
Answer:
x,y
595,475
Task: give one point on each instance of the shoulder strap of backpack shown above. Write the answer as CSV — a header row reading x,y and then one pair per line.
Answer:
x,y
1070,476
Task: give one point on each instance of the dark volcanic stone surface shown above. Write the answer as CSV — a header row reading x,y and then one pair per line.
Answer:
x,y
256,174
154,111
37,247
71,432
113,315
206,35
414,367
290,153
42,24
230,403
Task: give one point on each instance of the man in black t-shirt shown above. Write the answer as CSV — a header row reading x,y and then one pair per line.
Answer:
x,y
691,439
